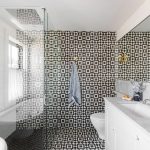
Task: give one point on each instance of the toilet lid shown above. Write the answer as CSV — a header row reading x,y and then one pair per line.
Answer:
x,y
98,115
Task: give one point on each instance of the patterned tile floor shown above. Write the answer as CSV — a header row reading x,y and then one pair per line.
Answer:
x,y
60,139
18,141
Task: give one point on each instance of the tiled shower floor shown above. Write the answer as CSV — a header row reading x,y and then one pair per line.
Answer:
x,y
60,139
33,142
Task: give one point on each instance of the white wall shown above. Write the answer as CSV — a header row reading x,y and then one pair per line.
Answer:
x,y
5,31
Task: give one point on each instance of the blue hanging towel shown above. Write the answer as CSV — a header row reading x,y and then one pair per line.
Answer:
x,y
74,89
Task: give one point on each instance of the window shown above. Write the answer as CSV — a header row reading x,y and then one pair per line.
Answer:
x,y
15,82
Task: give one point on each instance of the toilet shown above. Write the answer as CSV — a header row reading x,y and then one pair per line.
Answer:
x,y
98,121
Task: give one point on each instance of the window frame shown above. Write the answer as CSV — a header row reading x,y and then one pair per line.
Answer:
x,y
20,55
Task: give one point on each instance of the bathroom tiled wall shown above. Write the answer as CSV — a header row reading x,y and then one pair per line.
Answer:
x,y
29,114
28,16
96,66
96,53
137,46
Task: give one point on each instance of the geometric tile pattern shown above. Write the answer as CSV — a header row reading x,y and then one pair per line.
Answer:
x,y
77,139
58,139
137,46
32,142
96,56
28,16
30,112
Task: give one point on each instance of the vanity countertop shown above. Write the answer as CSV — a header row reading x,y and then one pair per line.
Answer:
x,y
140,117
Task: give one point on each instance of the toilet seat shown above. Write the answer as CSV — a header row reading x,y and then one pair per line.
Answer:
x,y
98,121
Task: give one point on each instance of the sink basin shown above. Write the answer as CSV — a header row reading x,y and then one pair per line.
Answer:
x,y
138,109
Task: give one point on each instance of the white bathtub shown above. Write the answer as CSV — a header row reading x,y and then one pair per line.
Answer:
x,y
7,122
9,117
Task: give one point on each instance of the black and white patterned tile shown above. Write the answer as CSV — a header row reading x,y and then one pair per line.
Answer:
x,y
96,55
28,16
137,46
24,140
77,139
96,66
56,139
30,108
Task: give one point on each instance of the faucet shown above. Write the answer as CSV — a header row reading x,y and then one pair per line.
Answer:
x,y
146,101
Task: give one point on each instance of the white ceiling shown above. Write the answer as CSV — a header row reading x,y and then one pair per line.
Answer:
x,y
82,15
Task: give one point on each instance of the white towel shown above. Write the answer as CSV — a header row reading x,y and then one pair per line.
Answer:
x,y
74,90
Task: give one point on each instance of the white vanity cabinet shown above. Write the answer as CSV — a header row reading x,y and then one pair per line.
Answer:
x,y
121,132
110,127
125,133
142,142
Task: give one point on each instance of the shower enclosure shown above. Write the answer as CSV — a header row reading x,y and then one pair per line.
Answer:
x,y
35,66
23,78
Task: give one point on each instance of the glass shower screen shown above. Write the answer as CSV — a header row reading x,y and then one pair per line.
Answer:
x,y
22,78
